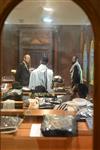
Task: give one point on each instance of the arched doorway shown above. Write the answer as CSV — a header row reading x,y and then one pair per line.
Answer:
x,y
90,9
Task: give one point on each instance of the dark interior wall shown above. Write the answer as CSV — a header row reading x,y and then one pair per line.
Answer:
x,y
36,41
68,46
71,40
66,41
9,49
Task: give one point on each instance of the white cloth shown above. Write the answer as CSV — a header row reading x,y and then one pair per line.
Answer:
x,y
79,102
37,77
9,104
80,71
74,104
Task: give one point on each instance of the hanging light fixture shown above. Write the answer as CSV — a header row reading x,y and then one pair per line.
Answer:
x,y
49,9
47,20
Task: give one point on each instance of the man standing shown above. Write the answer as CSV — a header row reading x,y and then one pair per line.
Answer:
x,y
23,73
76,72
42,76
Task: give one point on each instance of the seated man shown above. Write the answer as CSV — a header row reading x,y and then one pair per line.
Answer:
x,y
80,100
42,76
82,90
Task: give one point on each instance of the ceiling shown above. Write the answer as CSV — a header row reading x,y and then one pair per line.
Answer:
x,y
65,12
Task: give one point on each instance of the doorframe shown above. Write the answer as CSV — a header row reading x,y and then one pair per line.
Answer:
x,y
89,8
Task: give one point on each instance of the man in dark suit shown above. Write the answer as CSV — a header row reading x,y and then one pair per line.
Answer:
x,y
23,74
76,72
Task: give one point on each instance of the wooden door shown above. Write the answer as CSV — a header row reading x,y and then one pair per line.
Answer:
x,y
37,42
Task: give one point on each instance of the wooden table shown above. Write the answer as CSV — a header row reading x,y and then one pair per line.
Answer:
x,y
7,80
21,140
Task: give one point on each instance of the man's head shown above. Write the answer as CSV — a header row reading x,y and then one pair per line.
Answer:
x,y
74,59
82,90
27,58
44,60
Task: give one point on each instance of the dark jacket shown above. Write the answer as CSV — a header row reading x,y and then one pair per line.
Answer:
x,y
76,76
23,74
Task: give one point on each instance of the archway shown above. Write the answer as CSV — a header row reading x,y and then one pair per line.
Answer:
x,y
90,9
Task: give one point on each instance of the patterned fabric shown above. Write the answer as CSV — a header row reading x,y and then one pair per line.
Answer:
x,y
57,125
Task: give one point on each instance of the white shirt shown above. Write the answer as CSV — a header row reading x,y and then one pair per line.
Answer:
x,y
37,77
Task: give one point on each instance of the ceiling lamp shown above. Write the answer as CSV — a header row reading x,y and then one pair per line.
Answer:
x,y
48,9
47,20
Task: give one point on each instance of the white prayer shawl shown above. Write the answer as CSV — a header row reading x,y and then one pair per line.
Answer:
x,y
37,77
9,104
80,71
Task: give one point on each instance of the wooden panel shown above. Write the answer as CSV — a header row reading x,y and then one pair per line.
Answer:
x,y
21,140
80,143
12,112
62,43
36,41
9,49
41,112
36,55
70,44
